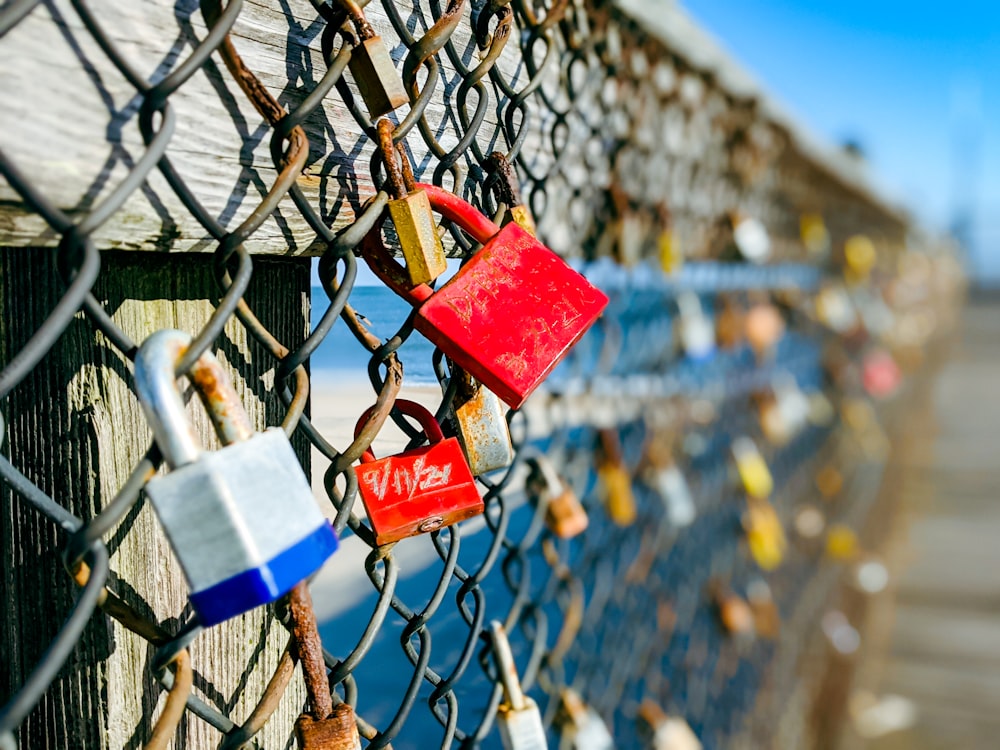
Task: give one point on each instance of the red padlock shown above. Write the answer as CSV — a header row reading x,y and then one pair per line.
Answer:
x,y
509,315
420,490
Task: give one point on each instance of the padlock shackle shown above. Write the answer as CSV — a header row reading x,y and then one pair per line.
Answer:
x,y
506,668
411,409
451,207
163,404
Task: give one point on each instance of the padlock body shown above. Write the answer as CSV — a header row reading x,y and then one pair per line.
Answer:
x,y
418,491
511,313
565,515
591,734
376,76
243,524
483,432
521,729
619,499
339,731
418,237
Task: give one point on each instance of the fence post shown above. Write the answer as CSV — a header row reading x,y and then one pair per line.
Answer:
x,y
74,427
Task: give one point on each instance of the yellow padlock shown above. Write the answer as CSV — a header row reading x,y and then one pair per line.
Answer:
x,y
752,468
765,534
670,251
814,234
859,257
841,543
411,214
615,479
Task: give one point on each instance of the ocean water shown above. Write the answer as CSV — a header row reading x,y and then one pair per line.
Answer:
x,y
384,311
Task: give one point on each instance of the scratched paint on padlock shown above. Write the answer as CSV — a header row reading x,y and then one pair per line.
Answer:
x,y
406,480
511,314
418,491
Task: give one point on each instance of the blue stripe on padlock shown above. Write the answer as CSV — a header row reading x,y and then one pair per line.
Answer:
x,y
266,583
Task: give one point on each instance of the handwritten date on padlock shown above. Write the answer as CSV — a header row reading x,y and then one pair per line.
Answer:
x,y
419,490
510,314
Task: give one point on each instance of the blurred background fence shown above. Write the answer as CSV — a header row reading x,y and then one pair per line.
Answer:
x,y
181,166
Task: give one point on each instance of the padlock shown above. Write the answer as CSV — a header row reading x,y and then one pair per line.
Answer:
x,y
480,424
859,258
763,326
509,193
518,717
509,315
671,252
324,726
241,520
729,323
880,374
372,67
752,468
842,543
735,614
766,618
765,534
663,476
582,728
564,514
615,479
410,211
752,239
814,233
339,731
420,490
697,331
661,731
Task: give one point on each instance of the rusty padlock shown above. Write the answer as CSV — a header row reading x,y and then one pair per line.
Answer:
x,y
372,67
564,514
508,192
509,315
615,479
480,424
410,211
324,726
420,490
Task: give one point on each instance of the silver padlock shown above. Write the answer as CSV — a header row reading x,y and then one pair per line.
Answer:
x,y
583,729
664,732
241,520
518,717
481,425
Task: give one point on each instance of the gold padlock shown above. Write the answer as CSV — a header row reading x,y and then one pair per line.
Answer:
x,y
508,192
371,65
814,233
615,480
565,516
765,534
410,211
752,469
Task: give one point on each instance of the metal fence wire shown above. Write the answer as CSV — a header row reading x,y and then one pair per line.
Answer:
x,y
624,151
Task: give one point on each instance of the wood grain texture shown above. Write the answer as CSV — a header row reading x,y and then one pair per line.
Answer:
x,y
70,121
76,430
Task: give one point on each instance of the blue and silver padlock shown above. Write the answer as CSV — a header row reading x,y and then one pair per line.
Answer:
x,y
241,520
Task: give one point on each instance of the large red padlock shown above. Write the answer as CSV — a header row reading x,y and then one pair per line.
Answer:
x,y
509,315
420,490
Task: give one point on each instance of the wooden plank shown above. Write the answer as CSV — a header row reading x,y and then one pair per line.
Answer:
x,y
76,430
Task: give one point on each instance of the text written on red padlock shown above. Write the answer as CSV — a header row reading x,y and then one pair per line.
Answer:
x,y
419,490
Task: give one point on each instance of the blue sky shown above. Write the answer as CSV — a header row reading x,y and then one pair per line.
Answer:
x,y
902,78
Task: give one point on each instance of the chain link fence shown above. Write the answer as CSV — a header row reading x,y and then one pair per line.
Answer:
x,y
659,178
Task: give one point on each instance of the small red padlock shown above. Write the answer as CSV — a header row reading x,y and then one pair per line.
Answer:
x,y
418,491
509,315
